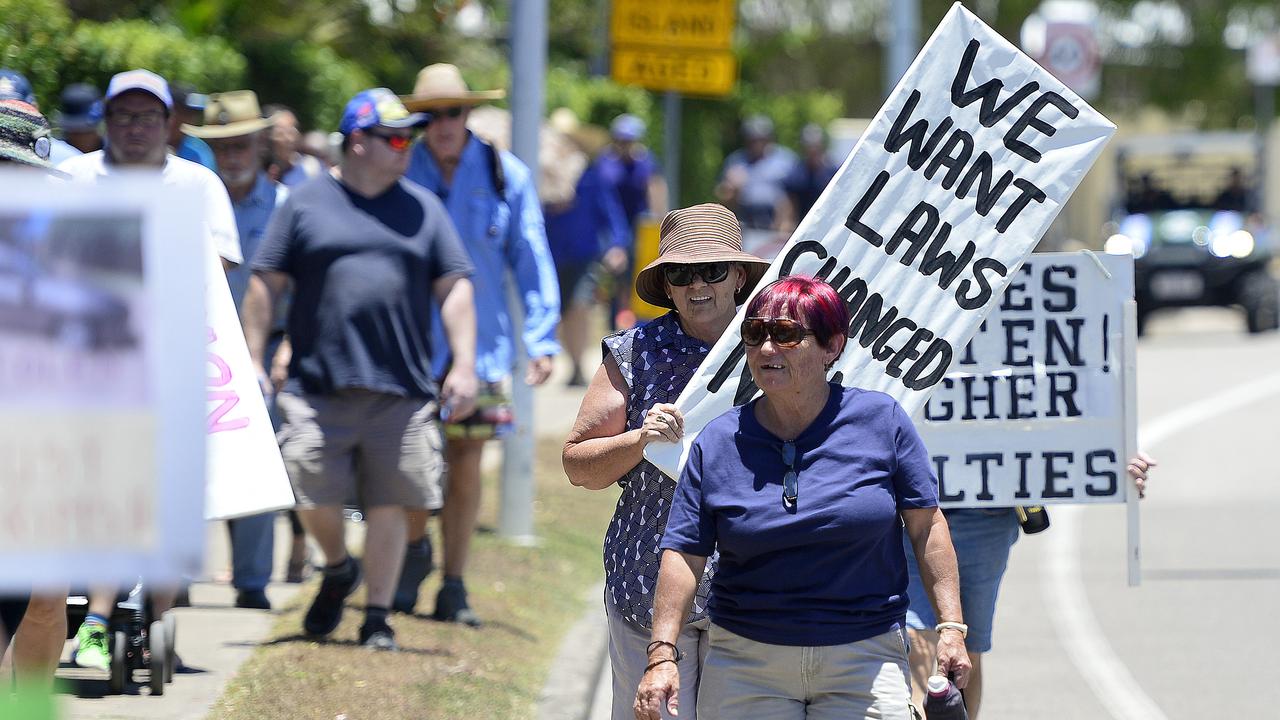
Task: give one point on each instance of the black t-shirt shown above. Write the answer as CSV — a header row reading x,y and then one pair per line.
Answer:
x,y
363,270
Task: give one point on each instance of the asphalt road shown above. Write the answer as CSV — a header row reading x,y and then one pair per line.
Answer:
x,y
1196,639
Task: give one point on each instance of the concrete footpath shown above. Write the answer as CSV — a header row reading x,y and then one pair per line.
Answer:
x,y
214,638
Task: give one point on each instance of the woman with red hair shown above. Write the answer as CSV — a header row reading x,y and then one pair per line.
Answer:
x,y
803,492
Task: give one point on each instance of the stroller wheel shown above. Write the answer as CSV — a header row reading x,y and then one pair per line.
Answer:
x,y
119,663
159,660
170,645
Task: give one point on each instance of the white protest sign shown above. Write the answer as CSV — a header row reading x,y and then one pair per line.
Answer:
x,y
1033,411
246,474
949,189
102,452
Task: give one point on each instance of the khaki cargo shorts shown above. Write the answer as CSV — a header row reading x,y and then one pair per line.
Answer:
x,y
376,448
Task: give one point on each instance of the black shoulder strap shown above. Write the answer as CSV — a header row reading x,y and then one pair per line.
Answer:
x,y
495,171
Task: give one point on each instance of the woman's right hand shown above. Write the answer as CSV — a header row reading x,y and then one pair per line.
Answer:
x,y
664,423
660,685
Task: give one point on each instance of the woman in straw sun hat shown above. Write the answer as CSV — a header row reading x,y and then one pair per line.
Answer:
x,y
702,274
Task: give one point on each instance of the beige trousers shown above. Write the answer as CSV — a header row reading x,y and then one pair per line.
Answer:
x,y
747,679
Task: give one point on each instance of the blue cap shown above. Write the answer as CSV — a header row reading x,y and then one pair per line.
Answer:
x,y
81,107
627,128
14,86
379,106
143,80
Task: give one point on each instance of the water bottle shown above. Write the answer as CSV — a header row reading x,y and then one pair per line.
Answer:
x,y
944,701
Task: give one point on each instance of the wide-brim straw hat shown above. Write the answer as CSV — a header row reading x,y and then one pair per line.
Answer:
x,y
698,234
230,114
440,86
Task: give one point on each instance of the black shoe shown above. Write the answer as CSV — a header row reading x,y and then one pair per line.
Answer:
x,y
417,566
451,605
253,600
379,637
326,610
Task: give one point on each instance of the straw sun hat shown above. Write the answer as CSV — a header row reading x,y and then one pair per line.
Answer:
x,y
441,86
698,234
230,114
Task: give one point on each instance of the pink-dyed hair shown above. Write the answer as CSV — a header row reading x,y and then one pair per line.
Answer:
x,y
808,300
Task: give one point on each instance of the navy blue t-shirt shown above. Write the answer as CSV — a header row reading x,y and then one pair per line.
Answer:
x,y
829,570
363,270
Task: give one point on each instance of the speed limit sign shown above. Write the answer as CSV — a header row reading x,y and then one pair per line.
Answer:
x,y
1071,54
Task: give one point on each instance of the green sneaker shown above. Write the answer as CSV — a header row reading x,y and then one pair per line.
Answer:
x,y
92,651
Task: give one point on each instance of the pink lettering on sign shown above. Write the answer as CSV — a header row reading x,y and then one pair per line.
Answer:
x,y
227,399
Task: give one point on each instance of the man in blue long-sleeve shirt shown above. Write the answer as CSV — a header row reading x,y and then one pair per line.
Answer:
x,y
491,198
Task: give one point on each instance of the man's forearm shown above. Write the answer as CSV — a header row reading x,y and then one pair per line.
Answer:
x,y
458,313
255,318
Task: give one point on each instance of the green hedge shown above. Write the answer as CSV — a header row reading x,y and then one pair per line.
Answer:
x,y
311,79
97,51
33,36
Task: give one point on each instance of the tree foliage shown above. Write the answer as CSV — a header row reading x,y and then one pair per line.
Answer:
x,y
32,39
96,51
800,60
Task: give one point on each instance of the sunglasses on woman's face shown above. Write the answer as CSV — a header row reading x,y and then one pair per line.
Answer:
x,y
784,332
681,275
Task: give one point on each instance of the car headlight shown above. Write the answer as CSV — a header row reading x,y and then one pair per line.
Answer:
x,y
1121,244
1237,244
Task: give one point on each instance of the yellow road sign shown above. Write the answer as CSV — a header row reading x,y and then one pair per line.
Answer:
x,y
689,24
706,72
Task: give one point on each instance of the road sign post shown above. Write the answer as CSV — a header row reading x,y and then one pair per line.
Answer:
x,y
676,47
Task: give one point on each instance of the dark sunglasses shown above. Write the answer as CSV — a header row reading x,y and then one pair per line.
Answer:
x,y
453,113
399,143
785,332
791,480
680,275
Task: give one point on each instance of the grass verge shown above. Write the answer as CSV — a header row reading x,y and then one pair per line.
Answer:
x,y
528,597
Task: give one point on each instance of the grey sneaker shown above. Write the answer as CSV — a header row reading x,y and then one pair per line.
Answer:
x,y
378,638
451,605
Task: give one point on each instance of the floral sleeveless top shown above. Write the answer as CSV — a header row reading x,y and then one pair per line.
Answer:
x,y
657,360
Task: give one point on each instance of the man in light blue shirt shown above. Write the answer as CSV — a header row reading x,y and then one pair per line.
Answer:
x,y
233,127
491,198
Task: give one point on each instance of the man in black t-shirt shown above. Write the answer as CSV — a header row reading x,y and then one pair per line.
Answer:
x,y
365,252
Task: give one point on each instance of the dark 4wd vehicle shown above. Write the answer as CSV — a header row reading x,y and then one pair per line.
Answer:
x,y
1199,257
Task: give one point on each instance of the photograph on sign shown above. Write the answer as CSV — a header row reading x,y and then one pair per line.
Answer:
x,y
100,382
950,188
1033,410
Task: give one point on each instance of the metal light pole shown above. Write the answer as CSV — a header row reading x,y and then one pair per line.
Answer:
x,y
528,74
904,41
671,146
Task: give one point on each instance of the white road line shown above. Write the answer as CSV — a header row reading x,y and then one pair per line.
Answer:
x,y
1062,584
1158,430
